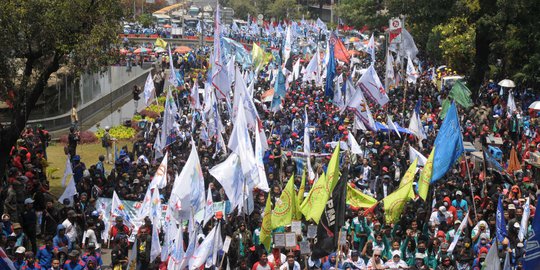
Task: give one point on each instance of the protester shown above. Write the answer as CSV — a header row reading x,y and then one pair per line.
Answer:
x,y
181,181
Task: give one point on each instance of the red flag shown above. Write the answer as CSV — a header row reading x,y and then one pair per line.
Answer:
x,y
340,52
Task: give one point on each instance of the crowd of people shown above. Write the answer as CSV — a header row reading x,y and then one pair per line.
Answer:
x,y
39,232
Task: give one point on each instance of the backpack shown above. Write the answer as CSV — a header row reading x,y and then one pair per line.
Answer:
x,y
105,140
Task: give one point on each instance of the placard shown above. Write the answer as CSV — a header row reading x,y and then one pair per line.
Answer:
x,y
226,244
290,240
296,227
304,248
312,231
279,240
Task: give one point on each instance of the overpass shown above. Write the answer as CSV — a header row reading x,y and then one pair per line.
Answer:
x,y
185,41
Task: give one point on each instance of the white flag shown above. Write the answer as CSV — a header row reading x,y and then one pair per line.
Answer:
x,y
204,250
209,207
146,206
229,175
372,87
171,230
511,104
296,70
176,248
458,233
391,125
507,262
262,182
149,89
354,146
68,171
160,177
220,79
119,210
69,192
288,45
493,262
156,246
389,72
361,108
414,154
524,220
194,95
155,213
172,73
371,48
415,126
338,94
240,143
169,127
307,146
412,73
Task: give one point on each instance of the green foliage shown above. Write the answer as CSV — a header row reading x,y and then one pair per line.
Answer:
x,y
456,43
285,9
363,12
118,132
145,20
242,8
156,108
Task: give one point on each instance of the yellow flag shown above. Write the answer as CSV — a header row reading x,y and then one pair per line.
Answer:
x,y
332,172
285,207
266,228
257,55
300,196
394,203
313,206
356,198
409,174
425,176
161,43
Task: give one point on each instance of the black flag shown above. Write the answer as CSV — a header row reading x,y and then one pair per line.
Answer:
x,y
332,219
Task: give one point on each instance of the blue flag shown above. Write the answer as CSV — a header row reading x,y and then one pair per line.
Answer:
x,y
532,248
279,91
448,144
501,223
330,72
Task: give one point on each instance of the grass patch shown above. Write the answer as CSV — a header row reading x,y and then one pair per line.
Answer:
x,y
89,155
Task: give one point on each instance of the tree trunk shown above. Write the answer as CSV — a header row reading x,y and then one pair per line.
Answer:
x,y
10,133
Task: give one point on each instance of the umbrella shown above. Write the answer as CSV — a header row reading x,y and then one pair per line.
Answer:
x,y
142,50
159,50
535,106
182,49
123,51
507,83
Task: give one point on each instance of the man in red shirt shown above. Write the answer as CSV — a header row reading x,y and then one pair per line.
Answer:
x,y
263,263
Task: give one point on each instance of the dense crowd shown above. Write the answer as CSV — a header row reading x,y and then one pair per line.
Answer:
x,y
39,232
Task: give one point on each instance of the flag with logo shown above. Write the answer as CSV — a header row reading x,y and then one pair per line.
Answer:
x,y
500,221
524,228
160,177
285,208
331,220
266,228
358,199
394,203
161,43
371,86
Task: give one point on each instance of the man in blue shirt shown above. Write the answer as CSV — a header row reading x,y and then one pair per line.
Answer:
x,y
45,253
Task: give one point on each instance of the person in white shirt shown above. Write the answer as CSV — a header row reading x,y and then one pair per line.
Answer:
x,y
290,264
396,262
71,226
354,263
89,236
276,257
376,262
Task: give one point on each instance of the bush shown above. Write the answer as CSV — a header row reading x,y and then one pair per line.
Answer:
x,y
118,132
150,114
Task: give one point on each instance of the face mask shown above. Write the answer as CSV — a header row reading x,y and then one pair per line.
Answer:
x,y
421,250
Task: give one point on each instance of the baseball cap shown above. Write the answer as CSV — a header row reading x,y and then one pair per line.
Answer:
x,y
20,250
396,253
459,193
28,201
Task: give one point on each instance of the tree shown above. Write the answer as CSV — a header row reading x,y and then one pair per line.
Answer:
x,y
37,38
242,8
362,13
145,20
285,9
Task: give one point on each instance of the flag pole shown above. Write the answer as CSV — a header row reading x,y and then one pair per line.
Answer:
x,y
470,183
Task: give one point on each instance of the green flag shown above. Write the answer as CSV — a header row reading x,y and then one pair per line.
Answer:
x,y
266,228
300,196
461,94
357,198
445,105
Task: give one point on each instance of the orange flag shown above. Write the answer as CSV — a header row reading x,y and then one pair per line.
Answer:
x,y
340,52
513,164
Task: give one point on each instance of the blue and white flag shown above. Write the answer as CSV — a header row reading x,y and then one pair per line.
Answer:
x,y
524,220
155,251
532,249
330,68
169,128
501,223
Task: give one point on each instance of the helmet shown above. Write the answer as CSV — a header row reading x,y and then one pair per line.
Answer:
x,y
107,128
